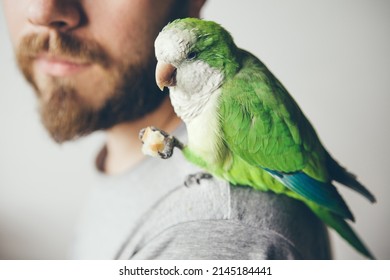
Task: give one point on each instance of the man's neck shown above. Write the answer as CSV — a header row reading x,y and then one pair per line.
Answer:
x,y
124,147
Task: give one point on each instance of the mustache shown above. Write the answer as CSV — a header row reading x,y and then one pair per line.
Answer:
x,y
61,44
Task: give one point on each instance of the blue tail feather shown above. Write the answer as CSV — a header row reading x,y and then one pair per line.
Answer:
x,y
324,194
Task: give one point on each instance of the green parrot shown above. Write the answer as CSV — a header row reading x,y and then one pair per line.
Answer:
x,y
243,126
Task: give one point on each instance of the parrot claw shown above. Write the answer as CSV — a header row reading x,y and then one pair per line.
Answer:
x,y
158,143
196,178
167,152
141,134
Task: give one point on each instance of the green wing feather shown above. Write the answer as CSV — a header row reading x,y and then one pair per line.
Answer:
x,y
263,124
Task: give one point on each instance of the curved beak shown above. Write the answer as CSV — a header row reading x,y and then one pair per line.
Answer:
x,y
165,75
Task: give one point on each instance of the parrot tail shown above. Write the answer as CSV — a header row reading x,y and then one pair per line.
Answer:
x,y
341,175
342,227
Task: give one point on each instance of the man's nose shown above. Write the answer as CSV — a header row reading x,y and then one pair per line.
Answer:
x,y
57,14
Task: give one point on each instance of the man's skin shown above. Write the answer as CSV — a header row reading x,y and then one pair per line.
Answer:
x,y
123,33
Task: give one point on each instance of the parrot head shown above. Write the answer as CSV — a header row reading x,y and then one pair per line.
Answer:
x,y
194,56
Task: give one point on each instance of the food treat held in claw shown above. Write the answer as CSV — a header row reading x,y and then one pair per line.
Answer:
x,y
153,142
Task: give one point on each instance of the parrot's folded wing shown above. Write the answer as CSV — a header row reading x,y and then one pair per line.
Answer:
x,y
261,122
263,125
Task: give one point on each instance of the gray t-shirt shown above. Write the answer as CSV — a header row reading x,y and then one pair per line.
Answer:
x,y
148,213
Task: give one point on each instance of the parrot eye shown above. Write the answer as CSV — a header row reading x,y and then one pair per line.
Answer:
x,y
191,55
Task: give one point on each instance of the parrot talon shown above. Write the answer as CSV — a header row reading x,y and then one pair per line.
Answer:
x,y
141,134
159,130
169,145
165,155
158,143
196,178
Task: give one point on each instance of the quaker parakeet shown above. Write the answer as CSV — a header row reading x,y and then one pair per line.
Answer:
x,y
243,126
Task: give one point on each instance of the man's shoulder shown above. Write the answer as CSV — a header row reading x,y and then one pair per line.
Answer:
x,y
211,199
214,204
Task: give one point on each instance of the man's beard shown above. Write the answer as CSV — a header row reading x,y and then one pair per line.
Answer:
x,y
65,114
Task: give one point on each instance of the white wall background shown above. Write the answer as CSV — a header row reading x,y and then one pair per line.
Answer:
x,y
332,55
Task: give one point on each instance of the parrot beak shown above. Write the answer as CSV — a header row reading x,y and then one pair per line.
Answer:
x,y
165,75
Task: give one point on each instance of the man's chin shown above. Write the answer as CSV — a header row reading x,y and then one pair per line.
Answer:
x,y
64,131
65,116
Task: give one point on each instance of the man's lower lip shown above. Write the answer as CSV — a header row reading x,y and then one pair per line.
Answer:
x,y
59,68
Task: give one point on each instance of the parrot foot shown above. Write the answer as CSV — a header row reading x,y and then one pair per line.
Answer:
x,y
196,178
158,143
